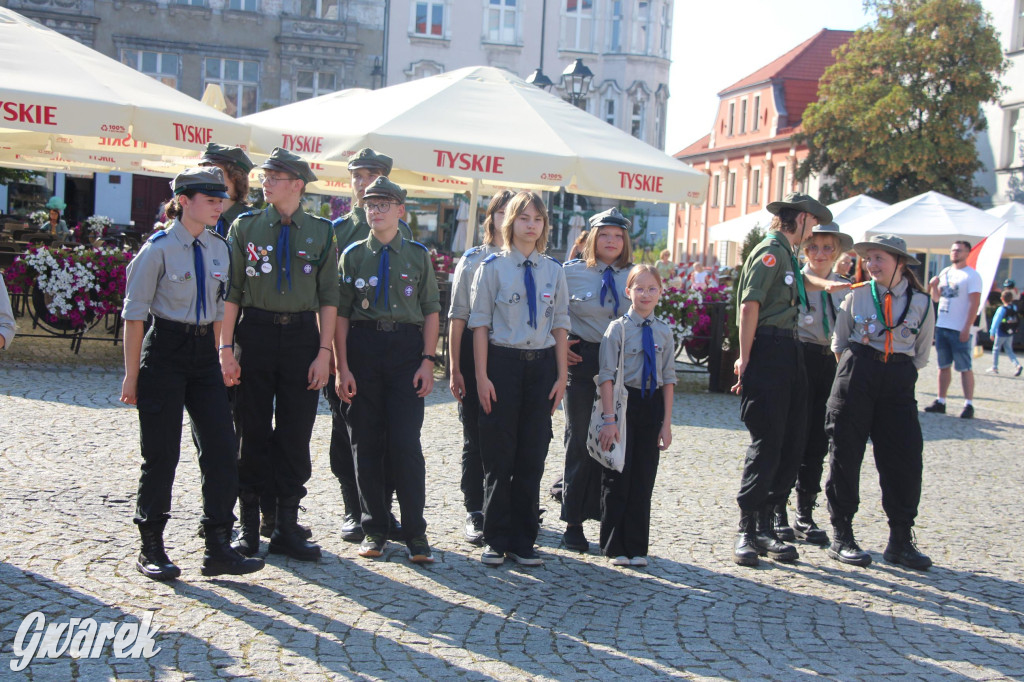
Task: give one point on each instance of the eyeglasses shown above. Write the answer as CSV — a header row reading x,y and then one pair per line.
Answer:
x,y
650,291
382,207
827,249
273,179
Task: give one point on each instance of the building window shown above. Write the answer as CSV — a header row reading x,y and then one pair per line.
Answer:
x,y
159,65
501,21
610,116
732,118
244,5
190,3
743,116
780,188
714,191
239,80
755,186
1013,151
319,9
730,189
666,29
636,124
693,250
757,113
1018,40
578,25
615,26
310,84
428,18
642,27
660,114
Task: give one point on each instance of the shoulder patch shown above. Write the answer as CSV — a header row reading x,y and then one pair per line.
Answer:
x,y
159,235
247,214
574,261
472,251
490,258
553,260
322,219
419,245
352,246
768,260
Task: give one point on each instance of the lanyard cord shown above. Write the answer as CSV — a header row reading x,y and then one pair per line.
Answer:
x,y
886,314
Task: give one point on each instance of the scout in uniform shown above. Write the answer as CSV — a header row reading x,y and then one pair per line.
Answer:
x,y
520,321
284,297
597,295
365,167
883,337
463,376
772,380
179,277
236,166
815,323
385,345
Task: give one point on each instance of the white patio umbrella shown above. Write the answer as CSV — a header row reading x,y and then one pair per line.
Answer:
x,y
60,96
479,129
1012,213
737,229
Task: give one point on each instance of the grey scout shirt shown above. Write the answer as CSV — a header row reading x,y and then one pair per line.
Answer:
x,y
162,277
858,322
589,317
809,325
499,300
412,285
633,362
462,285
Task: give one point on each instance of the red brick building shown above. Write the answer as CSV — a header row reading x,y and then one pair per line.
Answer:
x,y
750,155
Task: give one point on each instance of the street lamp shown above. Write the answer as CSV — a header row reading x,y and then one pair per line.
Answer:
x,y
540,80
377,73
537,77
576,81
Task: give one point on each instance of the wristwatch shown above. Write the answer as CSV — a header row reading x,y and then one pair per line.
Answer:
x,y
432,358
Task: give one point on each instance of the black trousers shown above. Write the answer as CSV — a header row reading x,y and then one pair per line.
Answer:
x,y
386,417
472,481
874,399
581,482
181,372
821,372
514,440
772,406
342,463
626,495
274,411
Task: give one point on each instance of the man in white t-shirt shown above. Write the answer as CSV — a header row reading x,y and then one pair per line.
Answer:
x,y
957,290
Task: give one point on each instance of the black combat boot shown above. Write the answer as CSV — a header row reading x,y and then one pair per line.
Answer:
x,y
286,538
804,526
221,558
767,542
780,520
268,519
902,550
153,562
351,528
745,553
248,541
844,547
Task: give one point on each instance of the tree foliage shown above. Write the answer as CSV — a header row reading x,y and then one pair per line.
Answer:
x,y
898,112
9,175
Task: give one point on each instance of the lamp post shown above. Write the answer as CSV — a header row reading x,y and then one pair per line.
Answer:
x,y
576,80
537,77
376,74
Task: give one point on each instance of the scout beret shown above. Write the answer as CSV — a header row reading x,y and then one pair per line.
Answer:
x,y
384,188
802,202
610,217
287,162
897,246
367,158
219,153
205,180
845,240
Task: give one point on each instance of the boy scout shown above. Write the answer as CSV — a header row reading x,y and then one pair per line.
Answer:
x,y
384,345
236,166
364,168
771,377
284,273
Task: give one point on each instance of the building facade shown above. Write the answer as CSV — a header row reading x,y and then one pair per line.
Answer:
x,y
750,155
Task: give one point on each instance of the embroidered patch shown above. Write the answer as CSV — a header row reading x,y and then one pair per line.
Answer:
x,y
408,290
768,260
307,268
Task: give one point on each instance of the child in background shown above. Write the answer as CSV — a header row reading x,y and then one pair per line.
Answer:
x,y
1002,331
649,375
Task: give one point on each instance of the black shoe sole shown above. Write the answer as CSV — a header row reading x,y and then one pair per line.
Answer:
x,y
863,563
288,551
745,560
894,559
783,557
582,549
354,536
230,569
161,576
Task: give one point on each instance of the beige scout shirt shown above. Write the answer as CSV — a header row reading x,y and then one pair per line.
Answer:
x,y
858,321
810,325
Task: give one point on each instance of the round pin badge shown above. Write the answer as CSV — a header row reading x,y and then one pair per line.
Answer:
x,y
307,268
865,340
871,329
269,247
250,271
373,281
266,259
905,333
808,318
266,268
590,294
789,278
360,283
174,278
365,304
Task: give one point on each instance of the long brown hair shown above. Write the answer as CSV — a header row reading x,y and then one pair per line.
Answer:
x,y
513,210
590,251
498,202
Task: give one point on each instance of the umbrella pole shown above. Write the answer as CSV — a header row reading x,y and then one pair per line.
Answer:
x,y
471,225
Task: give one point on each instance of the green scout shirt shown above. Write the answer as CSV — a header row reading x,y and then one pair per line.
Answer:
x,y
412,286
768,279
354,227
255,265
236,209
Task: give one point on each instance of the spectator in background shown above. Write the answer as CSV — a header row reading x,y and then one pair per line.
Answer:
x,y
1002,331
6,318
844,266
666,270
578,249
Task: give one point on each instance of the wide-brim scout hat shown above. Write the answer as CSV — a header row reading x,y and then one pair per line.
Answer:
x,y
383,188
610,217
897,246
205,180
287,162
367,158
845,240
802,202
219,153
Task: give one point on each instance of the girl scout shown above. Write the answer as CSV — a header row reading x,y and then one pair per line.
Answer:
x,y
597,295
882,338
179,278
520,320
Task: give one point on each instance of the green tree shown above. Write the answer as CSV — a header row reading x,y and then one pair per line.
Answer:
x,y
898,112
9,175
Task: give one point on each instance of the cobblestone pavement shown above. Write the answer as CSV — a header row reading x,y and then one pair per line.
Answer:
x,y
69,467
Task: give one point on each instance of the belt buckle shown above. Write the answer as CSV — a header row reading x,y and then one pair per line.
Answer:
x,y
529,355
387,325
201,329
283,318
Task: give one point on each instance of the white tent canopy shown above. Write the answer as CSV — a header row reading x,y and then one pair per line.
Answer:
x,y
1013,213
737,229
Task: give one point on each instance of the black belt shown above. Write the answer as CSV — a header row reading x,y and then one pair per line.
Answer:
x,y
776,332
182,327
583,343
520,354
267,317
817,348
385,326
862,351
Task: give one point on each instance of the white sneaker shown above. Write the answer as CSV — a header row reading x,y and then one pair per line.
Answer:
x,y
638,561
620,561
991,370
